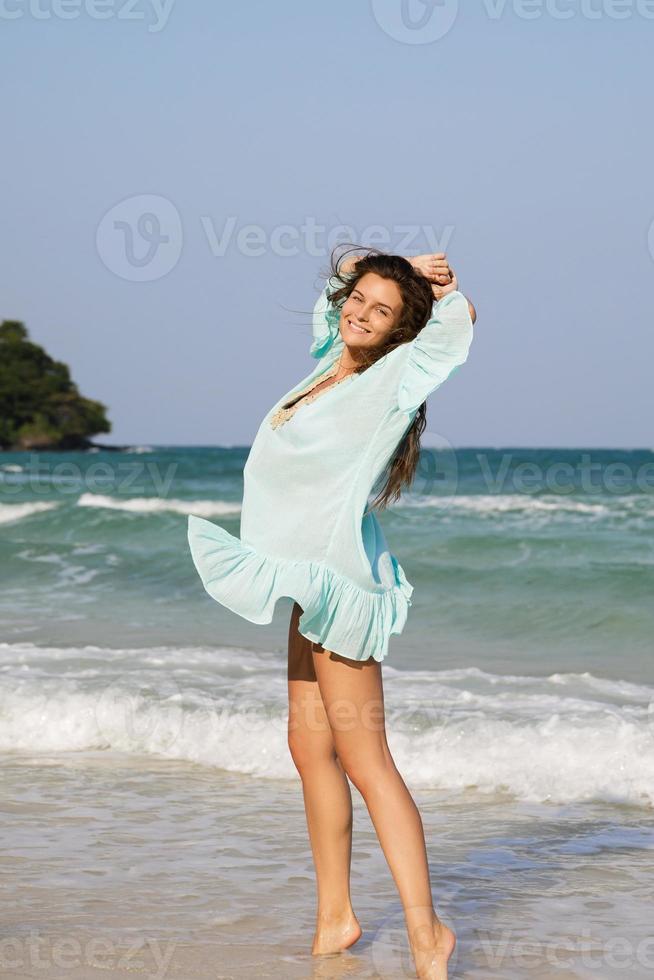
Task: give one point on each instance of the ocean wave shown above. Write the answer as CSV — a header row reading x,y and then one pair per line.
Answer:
x,y
18,512
463,730
629,510
503,503
155,505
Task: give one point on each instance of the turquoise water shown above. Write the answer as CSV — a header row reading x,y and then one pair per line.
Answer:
x,y
509,574
520,698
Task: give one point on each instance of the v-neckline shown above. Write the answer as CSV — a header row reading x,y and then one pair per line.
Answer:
x,y
306,392
304,396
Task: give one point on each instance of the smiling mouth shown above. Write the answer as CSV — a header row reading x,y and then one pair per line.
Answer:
x,y
357,329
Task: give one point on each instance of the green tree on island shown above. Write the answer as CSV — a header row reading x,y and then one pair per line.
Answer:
x,y
40,406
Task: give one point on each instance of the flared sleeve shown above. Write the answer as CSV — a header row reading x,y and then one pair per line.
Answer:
x,y
326,319
440,348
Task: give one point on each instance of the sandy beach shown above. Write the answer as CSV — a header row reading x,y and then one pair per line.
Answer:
x,y
123,866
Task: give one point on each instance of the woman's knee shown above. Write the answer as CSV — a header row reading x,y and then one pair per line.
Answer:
x,y
310,752
366,766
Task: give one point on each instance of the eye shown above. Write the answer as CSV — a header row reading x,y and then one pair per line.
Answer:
x,y
356,298
382,310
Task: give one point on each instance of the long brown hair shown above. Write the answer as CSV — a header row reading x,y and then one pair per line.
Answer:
x,y
417,299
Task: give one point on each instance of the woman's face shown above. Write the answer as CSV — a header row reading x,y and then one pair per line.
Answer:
x,y
371,311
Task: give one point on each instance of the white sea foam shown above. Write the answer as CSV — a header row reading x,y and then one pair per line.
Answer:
x,y
561,738
626,507
18,512
155,505
503,503
11,468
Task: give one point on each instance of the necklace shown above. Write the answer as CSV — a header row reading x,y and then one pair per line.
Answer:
x,y
308,394
338,368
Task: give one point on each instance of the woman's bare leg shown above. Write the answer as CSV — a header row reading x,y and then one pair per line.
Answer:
x,y
352,696
327,797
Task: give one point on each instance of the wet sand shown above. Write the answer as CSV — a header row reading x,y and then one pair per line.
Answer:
x,y
117,865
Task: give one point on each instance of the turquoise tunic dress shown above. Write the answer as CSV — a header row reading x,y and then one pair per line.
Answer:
x,y
304,532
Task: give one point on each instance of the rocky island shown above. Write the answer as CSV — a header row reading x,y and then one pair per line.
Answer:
x,y
40,405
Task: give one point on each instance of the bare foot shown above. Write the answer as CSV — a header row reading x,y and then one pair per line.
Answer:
x,y
334,935
431,952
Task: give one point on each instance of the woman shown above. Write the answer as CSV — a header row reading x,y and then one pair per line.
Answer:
x,y
387,331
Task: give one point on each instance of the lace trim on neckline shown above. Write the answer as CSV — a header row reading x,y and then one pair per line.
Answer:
x,y
301,397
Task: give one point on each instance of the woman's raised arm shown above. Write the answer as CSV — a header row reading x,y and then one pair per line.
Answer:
x,y
442,345
325,323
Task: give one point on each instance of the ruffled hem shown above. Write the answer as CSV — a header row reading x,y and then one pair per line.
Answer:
x,y
338,614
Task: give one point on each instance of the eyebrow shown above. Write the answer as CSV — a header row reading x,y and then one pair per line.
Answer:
x,y
357,290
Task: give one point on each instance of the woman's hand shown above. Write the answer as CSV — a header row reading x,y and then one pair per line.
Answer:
x,y
433,266
442,278
436,268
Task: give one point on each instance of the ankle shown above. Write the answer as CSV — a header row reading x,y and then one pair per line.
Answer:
x,y
326,917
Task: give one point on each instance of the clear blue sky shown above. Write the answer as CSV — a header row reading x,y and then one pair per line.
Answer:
x,y
523,144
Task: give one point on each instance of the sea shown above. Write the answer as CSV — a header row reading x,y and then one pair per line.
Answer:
x,y
152,818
